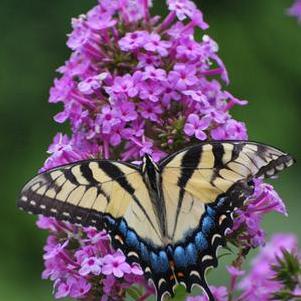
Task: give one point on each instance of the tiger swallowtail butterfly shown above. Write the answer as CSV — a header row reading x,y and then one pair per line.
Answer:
x,y
169,217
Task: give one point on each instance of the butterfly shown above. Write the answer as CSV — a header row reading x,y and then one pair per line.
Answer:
x,y
169,217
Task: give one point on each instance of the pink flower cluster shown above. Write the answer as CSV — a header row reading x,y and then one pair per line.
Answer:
x,y
135,85
295,10
247,228
82,264
259,283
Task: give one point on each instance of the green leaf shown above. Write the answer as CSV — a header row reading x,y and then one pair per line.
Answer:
x,y
134,292
282,295
180,293
287,270
224,255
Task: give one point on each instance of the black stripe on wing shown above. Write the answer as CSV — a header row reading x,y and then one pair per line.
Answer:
x,y
191,158
116,174
218,152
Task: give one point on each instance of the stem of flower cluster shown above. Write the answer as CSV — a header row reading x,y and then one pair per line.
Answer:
x,y
213,72
243,297
66,258
146,10
64,228
168,20
106,36
189,26
232,286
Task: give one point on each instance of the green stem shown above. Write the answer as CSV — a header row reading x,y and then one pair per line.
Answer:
x,y
237,263
145,296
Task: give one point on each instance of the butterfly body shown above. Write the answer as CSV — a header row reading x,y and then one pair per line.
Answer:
x,y
170,217
151,174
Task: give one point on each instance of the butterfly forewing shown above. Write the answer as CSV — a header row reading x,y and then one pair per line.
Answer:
x,y
216,166
197,175
67,192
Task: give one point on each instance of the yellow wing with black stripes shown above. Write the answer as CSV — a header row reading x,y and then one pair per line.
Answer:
x,y
197,175
169,217
84,192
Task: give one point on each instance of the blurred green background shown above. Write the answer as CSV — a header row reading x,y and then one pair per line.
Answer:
x,y
259,44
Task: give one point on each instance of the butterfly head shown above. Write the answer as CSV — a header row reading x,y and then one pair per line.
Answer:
x,y
148,164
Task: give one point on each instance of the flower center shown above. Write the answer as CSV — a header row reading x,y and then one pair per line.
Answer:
x,y
115,264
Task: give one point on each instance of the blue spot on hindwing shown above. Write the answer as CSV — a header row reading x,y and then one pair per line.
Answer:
x,y
163,261
201,242
155,262
132,240
144,252
222,202
191,254
179,257
210,211
207,225
123,228
159,263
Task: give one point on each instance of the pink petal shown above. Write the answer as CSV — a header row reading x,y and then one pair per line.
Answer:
x,y
136,270
200,135
117,272
107,269
125,267
189,129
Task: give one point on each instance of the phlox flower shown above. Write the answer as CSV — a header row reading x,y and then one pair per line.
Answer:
x,y
73,287
154,74
230,128
154,44
183,76
98,19
91,265
133,40
127,111
151,111
151,91
183,8
196,126
107,119
115,265
124,85
55,250
91,84
80,289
